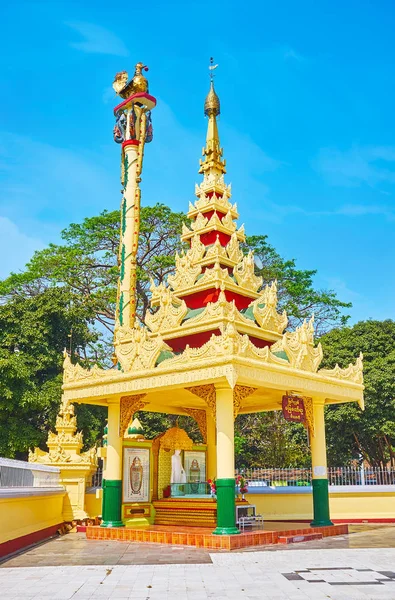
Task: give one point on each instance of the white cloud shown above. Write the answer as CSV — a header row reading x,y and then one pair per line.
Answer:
x,y
16,248
98,40
370,165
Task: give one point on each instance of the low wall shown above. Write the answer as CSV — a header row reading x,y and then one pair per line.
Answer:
x,y
347,503
28,515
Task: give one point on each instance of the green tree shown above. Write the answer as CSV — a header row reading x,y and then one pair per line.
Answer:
x,y
33,333
267,440
369,434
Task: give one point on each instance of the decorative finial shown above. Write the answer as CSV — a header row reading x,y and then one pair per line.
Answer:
x,y
212,104
212,68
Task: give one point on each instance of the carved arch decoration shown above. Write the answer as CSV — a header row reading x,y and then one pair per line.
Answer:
x,y
201,419
239,393
207,393
308,407
129,405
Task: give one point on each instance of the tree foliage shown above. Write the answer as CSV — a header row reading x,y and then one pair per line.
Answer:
x,y
369,434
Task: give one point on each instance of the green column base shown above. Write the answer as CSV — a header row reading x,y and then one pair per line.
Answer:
x,y
226,508
112,503
321,503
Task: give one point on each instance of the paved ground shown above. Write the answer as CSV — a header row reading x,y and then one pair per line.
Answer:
x,y
361,566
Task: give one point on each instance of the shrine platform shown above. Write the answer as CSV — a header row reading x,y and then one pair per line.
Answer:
x,y
201,537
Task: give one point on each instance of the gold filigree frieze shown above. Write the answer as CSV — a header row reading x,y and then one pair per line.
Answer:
x,y
229,343
354,372
128,406
201,419
170,313
208,394
265,313
240,392
299,347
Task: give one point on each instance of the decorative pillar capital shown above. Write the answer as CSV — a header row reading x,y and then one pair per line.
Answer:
x,y
129,405
207,393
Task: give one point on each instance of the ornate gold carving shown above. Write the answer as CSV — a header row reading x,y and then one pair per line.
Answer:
x,y
176,438
128,406
239,393
170,314
233,249
73,373
65,445
350,373
186,272
221,309
200,222
215,276
308,406
135,349
265,313
201,419
299,347
228,222
197,249
244,273
207,393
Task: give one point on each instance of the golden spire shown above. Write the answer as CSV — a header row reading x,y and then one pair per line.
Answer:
x,y
213,151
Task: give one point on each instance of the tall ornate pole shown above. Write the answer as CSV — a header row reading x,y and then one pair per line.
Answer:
x,y
133,130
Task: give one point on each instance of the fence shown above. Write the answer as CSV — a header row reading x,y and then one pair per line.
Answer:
x,y
20,474
302,477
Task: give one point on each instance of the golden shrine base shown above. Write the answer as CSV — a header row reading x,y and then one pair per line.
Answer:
x,y
202,537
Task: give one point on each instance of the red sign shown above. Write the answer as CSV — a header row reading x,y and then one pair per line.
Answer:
x,y
293,409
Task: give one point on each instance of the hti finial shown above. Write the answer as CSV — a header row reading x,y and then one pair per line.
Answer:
x,y
212,67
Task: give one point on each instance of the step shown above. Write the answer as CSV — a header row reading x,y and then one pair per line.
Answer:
x,y
303,537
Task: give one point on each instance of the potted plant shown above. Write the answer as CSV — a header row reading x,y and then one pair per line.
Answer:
x,y
213,487
242,484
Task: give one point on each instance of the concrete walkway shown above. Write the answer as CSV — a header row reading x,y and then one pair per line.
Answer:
x,y
140,572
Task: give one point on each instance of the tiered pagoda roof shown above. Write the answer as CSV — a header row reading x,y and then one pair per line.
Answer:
x,y
214,283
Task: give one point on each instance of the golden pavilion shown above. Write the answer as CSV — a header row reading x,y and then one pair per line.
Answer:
x,y
213,346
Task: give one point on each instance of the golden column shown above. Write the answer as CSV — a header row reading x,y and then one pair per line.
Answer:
x,y
211,447
226,508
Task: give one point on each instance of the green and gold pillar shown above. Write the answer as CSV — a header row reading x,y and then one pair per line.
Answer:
x,y
112,484
226,507
319,468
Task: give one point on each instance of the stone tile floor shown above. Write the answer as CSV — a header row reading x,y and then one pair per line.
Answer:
x,y
361,565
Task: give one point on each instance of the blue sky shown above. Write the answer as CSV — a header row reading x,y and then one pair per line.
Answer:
x,y
307,124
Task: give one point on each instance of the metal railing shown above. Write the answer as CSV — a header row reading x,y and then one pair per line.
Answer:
x,y
20,474
302,477
97,478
